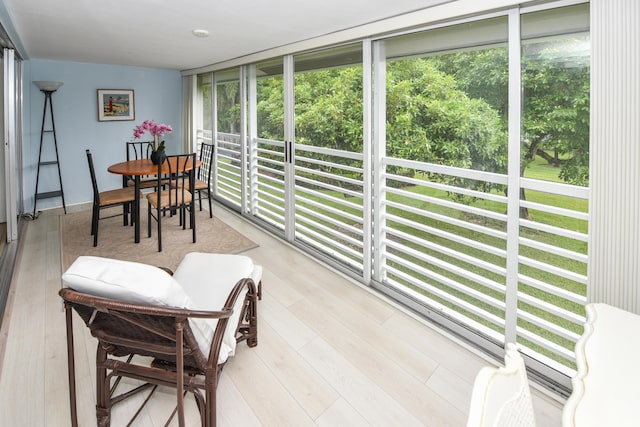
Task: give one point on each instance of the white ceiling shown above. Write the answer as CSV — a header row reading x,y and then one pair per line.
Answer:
x,y
158,33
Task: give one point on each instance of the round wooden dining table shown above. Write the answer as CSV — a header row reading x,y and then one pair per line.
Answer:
x,y
142,167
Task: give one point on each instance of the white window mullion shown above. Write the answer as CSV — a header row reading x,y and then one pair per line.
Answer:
x,y
243,139
367,227
10,143
289,139
214,130
513,178
252,132
377,162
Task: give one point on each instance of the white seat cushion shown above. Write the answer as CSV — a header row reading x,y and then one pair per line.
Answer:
x,y
208,280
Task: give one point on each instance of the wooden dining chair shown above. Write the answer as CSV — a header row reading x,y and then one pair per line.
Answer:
x,y
138,150
105,199
178,197
203,175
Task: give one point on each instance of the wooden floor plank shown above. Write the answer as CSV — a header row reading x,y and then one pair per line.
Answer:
x,y
269,400
362,352
299,378
233,408
291,329
367,397
341,413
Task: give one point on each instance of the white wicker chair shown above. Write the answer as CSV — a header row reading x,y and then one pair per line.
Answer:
x,y
501,396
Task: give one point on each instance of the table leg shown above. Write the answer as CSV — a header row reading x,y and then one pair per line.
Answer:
x,y
136,209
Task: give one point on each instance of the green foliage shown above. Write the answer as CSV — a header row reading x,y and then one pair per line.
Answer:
x,y
430,119
328,108
481,74
270,108
555,81
556,107
228,103
448,109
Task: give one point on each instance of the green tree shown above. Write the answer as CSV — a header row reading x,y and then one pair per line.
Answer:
x,y
556,107
270,108
555,115
328,108
228,106
430,119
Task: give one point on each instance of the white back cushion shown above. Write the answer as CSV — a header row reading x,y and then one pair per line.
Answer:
x,y
208,279
125,281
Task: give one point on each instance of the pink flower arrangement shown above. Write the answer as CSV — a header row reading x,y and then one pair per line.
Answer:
x,y
157,130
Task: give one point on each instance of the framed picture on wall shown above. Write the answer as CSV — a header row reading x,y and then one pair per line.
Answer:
x,y
115,105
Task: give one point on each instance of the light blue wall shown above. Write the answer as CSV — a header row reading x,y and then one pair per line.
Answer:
x,y
157,96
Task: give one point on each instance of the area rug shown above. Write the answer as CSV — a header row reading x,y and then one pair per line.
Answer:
x,y
117,241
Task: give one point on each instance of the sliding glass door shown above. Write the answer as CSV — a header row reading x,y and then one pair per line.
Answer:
x,y
305,151
443,145
328,155
267,144
446,166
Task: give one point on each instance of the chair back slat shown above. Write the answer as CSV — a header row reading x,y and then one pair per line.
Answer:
x,y
178,197
94,183
206,158
204,174
180,178
138,150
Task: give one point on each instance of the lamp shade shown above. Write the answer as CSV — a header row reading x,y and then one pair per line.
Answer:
x,y
47,86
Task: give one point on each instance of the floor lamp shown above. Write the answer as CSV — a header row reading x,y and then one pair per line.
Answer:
x,y
48,88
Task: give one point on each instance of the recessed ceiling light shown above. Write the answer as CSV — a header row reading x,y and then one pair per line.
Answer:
x,y
200,33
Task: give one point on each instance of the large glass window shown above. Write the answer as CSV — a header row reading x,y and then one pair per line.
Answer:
x,y
329,152
228,177
445,227
555,162
267,141
444,219
203,112
403,160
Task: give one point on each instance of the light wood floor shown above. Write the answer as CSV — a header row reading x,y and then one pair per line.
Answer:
x,y
330,352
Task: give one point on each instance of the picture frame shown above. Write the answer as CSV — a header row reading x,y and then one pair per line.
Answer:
x,y
116,105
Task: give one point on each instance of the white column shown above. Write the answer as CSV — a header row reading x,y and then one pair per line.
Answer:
x,y
614,253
